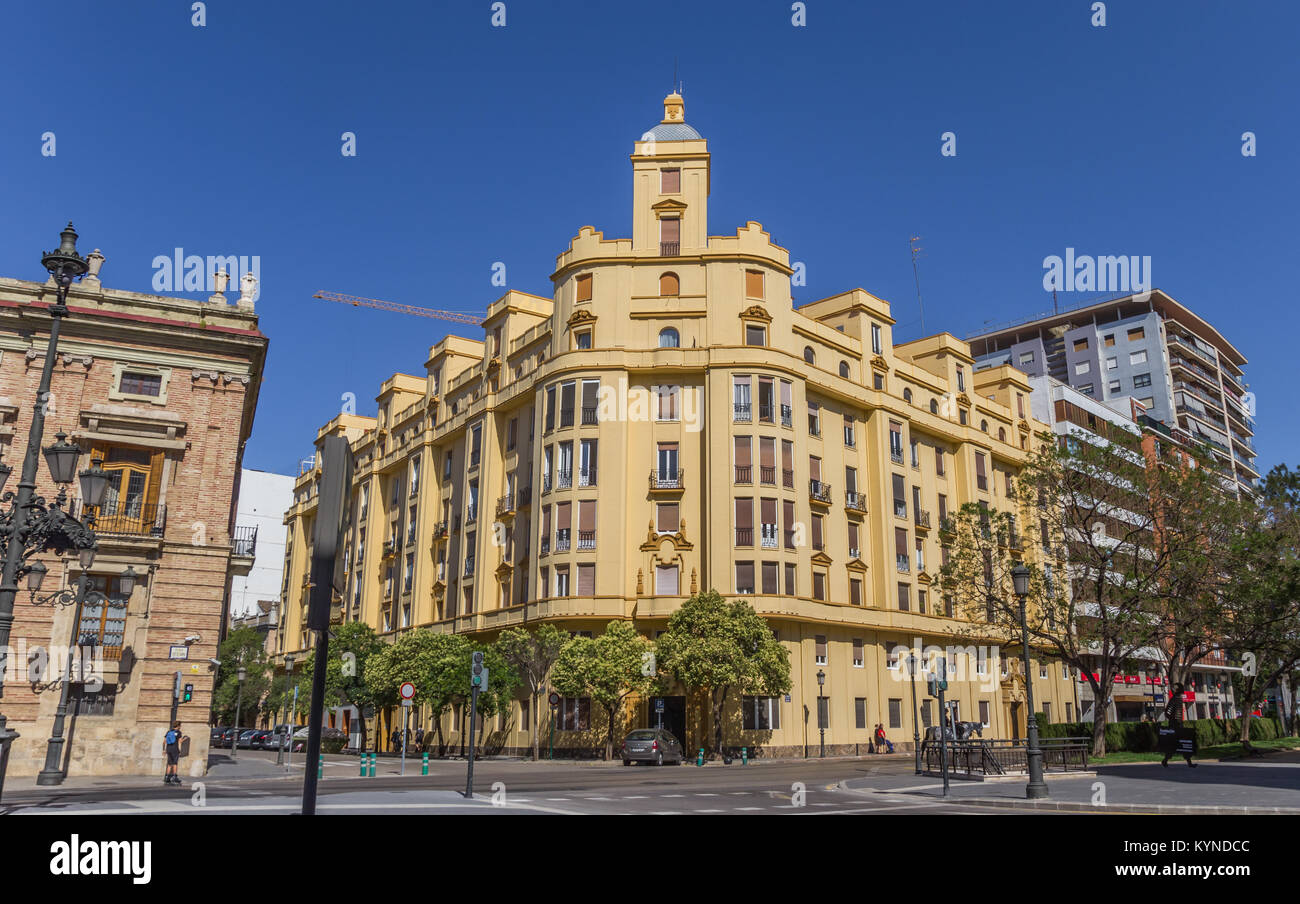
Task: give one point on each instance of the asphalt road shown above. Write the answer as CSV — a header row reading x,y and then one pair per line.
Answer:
x,y
804,787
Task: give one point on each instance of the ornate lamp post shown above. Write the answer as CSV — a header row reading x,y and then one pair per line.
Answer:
x,y
1037,788
821,710
29,526
916,727
288,670
53,773
241,674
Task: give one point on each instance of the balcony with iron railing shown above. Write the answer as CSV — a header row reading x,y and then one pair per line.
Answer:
x,y
742,412
669,249
902,563
855,501
744,474
819,492
922,519
546,484
744,536
566,417
440,530
1187,343
506,504
666,480
768,535
563,480
900,509
544,546
589,415
126,518
767,475
896,456
469,567
586,539
787,478
562,539
1208,398
243,541
765,412
787,416
587,477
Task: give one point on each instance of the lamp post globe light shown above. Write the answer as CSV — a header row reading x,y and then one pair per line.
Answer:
x,y
821,710
29,525
1037,788
53,773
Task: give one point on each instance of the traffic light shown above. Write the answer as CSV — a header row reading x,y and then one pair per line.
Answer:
x,y
189,694
478,673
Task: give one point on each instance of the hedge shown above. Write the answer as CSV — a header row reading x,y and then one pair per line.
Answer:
x,y
1141,737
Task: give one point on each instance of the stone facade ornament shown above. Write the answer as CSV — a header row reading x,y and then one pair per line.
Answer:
x,y
94,260
247,286
220,280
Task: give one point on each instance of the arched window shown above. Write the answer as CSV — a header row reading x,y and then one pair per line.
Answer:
x,y
844,369
669,286
808,355
907,395
1002,434
668,338
984,426
934,406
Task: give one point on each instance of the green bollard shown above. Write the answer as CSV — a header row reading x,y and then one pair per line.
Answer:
x,y
373,757
362,758
320,767
744,756
424,765
699,757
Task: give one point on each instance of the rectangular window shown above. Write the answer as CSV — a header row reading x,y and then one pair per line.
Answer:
x,y
666,518
791,585
573,714
587,579
819,585
860,712
550,408
1141,381
1112,363
857,652
1026,359
1082,367
849,439
670,181
742,448
984,713
1136,334
904,598
744,577
755,335
666,407
938,462
787,519
1138,357
766,400
137,383
670,236
855,591
1080,345
753,283
1047,710
875,339
819,649
583,287
981,474
666,580
895,712
745,522
760,713
920,600
587,524
771,578
561,580
814,419
1109,339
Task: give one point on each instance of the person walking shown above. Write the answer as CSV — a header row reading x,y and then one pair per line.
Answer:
x,y
1174,718
419,739
172,745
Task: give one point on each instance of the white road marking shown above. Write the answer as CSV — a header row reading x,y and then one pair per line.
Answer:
x,y
746,809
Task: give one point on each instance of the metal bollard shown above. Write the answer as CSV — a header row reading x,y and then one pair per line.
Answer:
x,y
373,757
699,757
424,765
744,756
320,767
362,758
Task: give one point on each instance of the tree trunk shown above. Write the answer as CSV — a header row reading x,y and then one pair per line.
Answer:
x,y
719,699
442,743
609,735
533,717
1245,731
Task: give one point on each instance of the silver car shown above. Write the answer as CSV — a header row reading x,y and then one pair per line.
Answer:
x,y
651,745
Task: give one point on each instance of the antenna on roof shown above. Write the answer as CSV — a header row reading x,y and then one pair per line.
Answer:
x,y
916,274
675,75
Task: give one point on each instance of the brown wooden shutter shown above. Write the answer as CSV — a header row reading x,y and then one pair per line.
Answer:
x,y
670,181
787,455
563,515
546,521
770,578
589,389
745,513
744,574
855,592
743,453
853,535
788,518
821,646
753,283
815,468
769,511
154,484
817,531
900,541
786,394
670,230
587,514
584,287
767,451
668,517
586,580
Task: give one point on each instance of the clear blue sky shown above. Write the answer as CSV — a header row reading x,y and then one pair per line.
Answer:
x,y
479,144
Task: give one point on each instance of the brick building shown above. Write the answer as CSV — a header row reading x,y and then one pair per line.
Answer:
x,y
163,392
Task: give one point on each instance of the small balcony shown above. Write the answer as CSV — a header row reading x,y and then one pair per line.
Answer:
x,y
922,519
506,504
819,492
896,456
903,564
767,475
587,478
744,536
469,567
589,416
566,417
440,530
669,249
127,518
390,549
586,539
787,416
665,481
562,540
855,502
243,542
742,412
544,546
787,478
744,474
765,412
768,535
546,484
563,480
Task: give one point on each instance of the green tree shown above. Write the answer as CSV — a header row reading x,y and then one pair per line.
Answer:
x,y
351,645
411,657
503,681
532,654
242,647
607,668
715,647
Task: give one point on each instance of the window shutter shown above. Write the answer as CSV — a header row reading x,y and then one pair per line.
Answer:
x,y
589,390
853,536
587,514
586,580
770,577
744,513
786,393
744,575
584,287
817,531
769,511
743,452
900,541
564,515
767,452
670,230
154,484
753,283
668,517
815,468
666,580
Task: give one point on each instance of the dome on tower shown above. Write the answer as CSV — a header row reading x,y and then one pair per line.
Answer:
x,y
673,127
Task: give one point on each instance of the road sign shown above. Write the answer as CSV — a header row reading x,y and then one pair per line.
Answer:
x,y
659,704
554,699
178,651
407,690
407,702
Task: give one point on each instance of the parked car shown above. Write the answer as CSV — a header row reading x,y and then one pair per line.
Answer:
x,y
246,737
651,745
227,736
265,739
217,732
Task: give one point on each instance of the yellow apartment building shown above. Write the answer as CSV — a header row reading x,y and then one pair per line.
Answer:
x,y
669,422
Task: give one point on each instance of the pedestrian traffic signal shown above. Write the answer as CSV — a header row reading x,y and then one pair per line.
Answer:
x,y
189,694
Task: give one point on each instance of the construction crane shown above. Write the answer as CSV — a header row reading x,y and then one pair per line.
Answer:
x,y
359,301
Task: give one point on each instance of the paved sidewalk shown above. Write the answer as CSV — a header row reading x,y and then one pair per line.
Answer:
x,y
1269,784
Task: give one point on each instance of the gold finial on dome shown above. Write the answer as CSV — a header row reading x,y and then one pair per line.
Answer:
x,y
674,108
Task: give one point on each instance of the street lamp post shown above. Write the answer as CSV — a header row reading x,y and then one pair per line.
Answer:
x,y
1037,788
916,729
239,700
821,710
53,773
288,670
29,526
